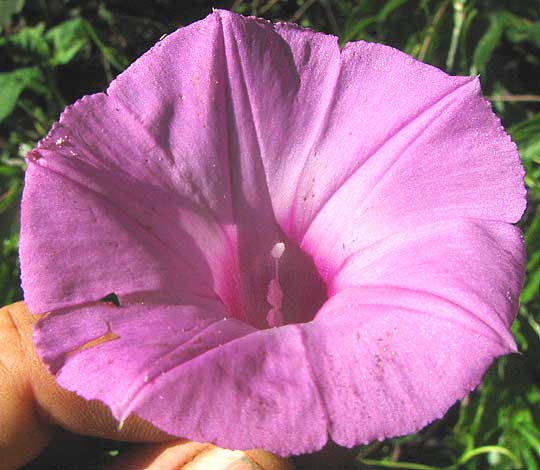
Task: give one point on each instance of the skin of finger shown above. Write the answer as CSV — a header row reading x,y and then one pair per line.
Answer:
x,y
197,456
23,434
159,456
40,403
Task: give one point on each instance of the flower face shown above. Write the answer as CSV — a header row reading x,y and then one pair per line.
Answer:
x,y
305,241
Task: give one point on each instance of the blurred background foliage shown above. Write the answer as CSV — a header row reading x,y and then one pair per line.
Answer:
x,y
53,52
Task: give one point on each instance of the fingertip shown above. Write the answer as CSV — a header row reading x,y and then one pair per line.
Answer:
x,y
188,455
269,461
23,433
163,456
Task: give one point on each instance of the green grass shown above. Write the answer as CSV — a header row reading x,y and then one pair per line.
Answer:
x,y
53,52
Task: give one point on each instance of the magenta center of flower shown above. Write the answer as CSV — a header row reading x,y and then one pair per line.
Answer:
x,y
280,286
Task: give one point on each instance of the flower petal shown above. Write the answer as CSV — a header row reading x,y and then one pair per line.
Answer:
x,y
191,372
261,91
419,316
449,159
388,364
474,265
134,344
87,232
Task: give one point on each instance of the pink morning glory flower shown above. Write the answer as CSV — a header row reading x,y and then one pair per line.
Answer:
x,y
307,242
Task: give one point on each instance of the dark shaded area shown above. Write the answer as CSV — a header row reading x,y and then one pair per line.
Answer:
x,y
111,298
72,452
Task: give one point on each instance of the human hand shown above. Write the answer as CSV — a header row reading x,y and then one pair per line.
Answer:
x,y
32,405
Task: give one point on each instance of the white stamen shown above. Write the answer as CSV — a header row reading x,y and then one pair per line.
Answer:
x,y
278,250
274,317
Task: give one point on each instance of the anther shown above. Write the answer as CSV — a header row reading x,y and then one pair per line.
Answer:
x,y
278,250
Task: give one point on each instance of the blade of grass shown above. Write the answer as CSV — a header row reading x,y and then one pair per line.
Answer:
x,y
432,28
459,17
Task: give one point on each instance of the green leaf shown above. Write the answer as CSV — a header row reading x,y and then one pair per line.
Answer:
x,y
389,7
502,22
528,458
9,198
66,40
527,135
487,44
532,285
30,40
488,450
532,238
532,437
12,85
111,55
470,17
522,29
8,8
